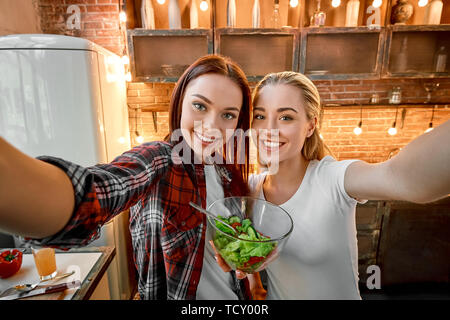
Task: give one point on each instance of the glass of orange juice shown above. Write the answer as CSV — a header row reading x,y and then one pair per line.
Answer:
x,y
45,261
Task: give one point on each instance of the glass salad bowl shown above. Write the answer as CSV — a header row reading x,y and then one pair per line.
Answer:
x,y
261,230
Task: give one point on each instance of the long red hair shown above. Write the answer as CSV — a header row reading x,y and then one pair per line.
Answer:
x,y
215,64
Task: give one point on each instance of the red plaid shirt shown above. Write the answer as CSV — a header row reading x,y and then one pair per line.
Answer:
x,y
168,235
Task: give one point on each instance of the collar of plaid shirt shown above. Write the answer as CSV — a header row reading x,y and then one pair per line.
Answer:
x,y
186,219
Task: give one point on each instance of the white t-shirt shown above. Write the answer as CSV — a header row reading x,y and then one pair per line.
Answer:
x,y
320,259
214,284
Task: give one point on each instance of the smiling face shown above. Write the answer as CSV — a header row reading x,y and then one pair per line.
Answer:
x,y
280,108
211,106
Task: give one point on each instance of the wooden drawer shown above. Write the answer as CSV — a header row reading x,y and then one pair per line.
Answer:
x,y
367,244
369,215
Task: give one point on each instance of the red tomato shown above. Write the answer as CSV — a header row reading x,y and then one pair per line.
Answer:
x,y
234,225
254,260
10,262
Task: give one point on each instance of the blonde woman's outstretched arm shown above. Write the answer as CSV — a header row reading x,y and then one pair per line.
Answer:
x,y
419,173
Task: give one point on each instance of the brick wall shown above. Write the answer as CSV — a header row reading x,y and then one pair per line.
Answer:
x,y
99,21
373,145
140,94
100,24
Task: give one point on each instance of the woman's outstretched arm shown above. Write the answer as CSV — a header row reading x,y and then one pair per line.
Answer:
x,y
59,203
419,173
36,198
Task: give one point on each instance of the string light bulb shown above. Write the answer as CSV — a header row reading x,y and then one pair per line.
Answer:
x,y
357,130
161,1
125,60
393,130
430,125
423,3
128,76
336,3
204,5
122,16
139,138
377,3
293,3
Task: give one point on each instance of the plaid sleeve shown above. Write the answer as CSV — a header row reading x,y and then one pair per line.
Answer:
x,y
104,190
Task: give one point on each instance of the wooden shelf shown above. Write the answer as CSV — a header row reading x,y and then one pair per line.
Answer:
x,y
335,17
322,53
161,14
287,16
150,107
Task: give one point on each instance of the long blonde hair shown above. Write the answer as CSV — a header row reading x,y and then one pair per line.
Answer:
x,y
314,147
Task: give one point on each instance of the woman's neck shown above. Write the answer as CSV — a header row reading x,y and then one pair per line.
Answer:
x,y
285,182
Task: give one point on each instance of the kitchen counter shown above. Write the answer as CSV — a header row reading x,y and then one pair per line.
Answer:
x,y
89,264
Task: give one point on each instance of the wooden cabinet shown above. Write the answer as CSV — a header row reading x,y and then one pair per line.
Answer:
x,y
368,224
342,53
259,51
373,49
417,51
414,243
409,242
163,55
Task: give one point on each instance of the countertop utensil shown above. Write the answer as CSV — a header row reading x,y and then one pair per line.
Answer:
x,y
26,287
29,287
46,290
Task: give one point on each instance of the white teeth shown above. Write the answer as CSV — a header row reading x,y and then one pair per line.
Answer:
x,y
271,144
203,138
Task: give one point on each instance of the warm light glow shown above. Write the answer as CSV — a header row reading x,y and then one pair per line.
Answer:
x,y
336,3
377,3
321,136
293,3
392,131
161,1
122,16
428,130
111,60
423,3
128,77
125,60
357,131
121,140
140,139
111,78
204,5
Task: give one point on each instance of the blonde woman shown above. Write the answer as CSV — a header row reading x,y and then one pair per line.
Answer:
x,y
320,260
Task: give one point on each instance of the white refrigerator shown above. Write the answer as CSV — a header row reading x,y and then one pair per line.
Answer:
x,y
66,97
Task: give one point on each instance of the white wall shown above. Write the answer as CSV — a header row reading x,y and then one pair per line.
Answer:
x,y
19,16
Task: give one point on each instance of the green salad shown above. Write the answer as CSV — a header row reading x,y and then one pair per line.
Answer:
x,y
242,255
